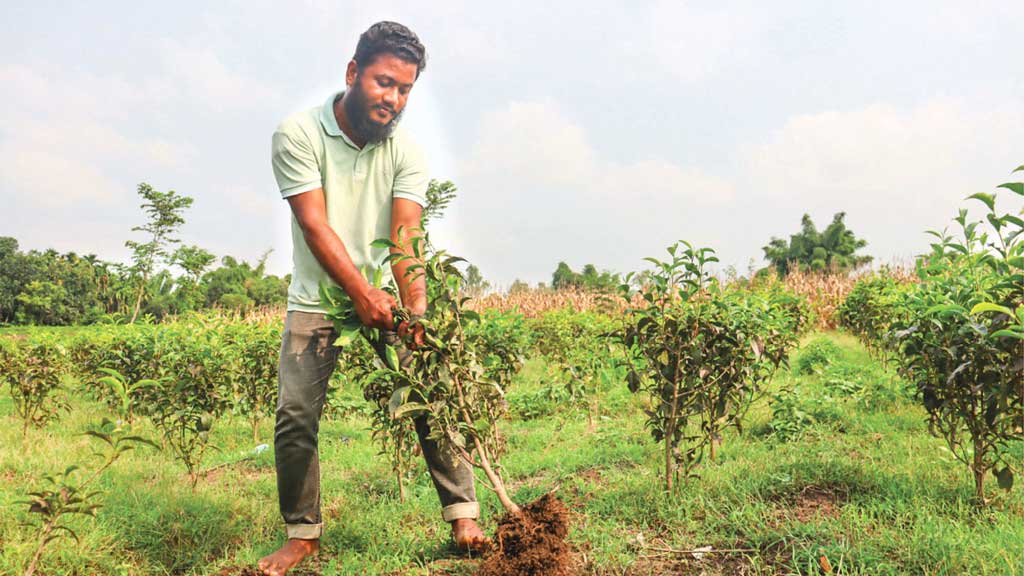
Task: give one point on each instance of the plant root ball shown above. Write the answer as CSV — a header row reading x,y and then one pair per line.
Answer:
x,y
533,543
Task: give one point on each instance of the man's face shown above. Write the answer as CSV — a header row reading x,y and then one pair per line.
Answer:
x,y
377,96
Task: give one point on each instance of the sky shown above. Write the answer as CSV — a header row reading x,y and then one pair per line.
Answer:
x,y
585,132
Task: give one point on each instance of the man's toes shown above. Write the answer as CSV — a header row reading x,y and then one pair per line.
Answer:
x,y
267,568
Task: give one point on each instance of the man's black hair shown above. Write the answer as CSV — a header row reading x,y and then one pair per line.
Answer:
x,y
390,38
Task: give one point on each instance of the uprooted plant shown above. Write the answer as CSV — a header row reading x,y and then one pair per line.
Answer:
x,y
445,381
396,437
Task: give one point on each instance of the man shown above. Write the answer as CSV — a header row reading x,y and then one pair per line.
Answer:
x,y
350,177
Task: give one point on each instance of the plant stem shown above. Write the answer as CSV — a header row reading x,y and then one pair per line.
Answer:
x,y
485,462
138,300
499,486
39,550
978,467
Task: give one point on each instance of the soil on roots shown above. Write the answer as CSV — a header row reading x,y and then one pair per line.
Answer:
x,y
532,543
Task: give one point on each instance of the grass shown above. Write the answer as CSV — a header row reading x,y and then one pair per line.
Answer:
x,y
863,489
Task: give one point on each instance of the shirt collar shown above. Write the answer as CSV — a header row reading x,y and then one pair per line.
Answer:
x,y
330,122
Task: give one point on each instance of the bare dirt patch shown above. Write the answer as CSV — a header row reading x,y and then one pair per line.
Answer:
x,y
659,559
712,565
815,502
533,543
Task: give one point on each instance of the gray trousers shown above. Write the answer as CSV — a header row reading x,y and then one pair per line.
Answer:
x,y
308,357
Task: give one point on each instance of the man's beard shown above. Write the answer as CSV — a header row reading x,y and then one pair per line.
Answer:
x,y
357,111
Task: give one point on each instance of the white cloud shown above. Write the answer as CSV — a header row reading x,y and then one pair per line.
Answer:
x,y
535,190
70,135
61,143
533,145
253,203
691,42
206,81
896,172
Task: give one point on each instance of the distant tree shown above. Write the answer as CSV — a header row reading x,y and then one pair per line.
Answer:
x,y
589,278
564,277
164,210
164,296
832,249
31,281
51,288
238,285
475,284
439,196
42,302
12,276
518,286
194,261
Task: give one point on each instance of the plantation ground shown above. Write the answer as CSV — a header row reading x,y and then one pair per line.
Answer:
x,y
862,489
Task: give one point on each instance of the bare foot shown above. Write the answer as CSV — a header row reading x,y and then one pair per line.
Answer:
x,y
287,556
468,536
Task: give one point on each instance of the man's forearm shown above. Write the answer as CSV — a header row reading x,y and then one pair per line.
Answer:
x,y
412,287
330,251
406,217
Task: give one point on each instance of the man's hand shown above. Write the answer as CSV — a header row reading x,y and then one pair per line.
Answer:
x,y
414,328
376,308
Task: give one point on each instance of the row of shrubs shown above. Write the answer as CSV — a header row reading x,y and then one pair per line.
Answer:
x,y
186,375
956,335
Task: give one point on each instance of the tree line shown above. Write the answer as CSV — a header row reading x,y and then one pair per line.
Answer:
x,y
53,288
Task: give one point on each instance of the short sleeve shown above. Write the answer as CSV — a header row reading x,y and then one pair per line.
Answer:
x,y
294,162
411,173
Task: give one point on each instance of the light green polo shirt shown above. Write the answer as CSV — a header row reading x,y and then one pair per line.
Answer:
x,y
310,151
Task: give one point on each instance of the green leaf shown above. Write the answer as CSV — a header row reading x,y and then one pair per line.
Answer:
x,y
347,336
991,307
453,259
398,397
945,309
383,243
391,355
1015,187
987,199
112,373
1005,478
1019,169
101,436
409,409
1013,220
145,383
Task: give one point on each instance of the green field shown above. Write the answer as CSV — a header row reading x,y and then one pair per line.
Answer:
x,y
862,488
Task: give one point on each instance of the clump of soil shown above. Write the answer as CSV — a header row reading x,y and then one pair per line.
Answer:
x,y
532,543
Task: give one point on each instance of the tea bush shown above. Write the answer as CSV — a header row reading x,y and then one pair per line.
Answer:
x,y
700,353
962,339
33,370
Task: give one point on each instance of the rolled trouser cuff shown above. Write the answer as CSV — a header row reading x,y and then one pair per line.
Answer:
x,y
461,510
304,531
